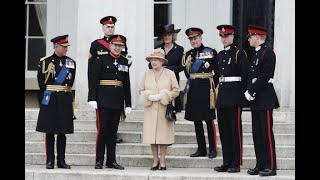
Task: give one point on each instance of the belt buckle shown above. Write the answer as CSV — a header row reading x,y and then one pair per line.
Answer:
x,y
221,79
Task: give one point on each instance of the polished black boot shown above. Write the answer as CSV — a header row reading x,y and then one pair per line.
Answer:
x,y
198,154
98,165
63,164
222,168
254,171
234,169
212,154
115,165
268,172
50,165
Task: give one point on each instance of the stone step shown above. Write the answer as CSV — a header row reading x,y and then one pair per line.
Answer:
x,y
83,114
136,137
146,161
181,126
38,172
144,149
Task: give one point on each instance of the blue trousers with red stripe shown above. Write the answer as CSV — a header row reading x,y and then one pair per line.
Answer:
x,y
263,139
230,130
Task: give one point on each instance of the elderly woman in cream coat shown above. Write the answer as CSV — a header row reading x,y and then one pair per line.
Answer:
x,y
158,87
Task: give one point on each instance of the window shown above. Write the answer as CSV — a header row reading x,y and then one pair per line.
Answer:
x,y
35,36
162,16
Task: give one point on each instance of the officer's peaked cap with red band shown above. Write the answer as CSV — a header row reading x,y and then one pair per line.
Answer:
x,y
193,32
61,40
118,39
108,20
225,29
256,30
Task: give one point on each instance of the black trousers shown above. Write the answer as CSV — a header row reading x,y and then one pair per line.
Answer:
x,y
211,129
230,129
107,126
61,147
263,139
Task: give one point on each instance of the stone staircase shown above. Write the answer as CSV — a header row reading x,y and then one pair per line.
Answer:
x,y
136,157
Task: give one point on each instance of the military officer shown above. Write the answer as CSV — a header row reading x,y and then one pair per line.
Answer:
x,y
101,46
56,75
263,100
232,74
109,91
198,65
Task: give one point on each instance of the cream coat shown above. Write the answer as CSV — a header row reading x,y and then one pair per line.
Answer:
x,y
156,128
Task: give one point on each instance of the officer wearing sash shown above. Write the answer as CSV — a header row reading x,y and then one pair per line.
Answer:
x,y
102,46
198,65
56,75
263,100
232,71
109,91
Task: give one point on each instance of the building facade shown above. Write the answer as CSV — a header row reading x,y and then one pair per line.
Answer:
x,y
136,21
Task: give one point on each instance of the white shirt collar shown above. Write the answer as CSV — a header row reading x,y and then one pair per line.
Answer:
x,y
227,48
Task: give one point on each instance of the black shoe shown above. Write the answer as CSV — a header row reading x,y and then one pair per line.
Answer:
x,y
50,165
63,164
254,171
212,154
119,140
115,166
98,165
198,154
268,172
234,169
222,168
163,168
155,167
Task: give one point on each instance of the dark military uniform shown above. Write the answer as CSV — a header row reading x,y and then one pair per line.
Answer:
x,y
109,85
198,96
233,74
57,116
102,46
260,86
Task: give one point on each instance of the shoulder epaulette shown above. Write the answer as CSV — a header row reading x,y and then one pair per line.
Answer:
x,y
43,58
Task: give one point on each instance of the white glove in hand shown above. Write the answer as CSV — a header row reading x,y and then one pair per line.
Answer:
x,y
128,110
248,96
155,97
93,104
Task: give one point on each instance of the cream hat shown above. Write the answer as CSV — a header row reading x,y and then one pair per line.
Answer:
x,y
157,53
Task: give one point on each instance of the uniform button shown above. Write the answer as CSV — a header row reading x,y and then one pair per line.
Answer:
x,y
256,53
116,73
221,83
222,68
252,66
252,70
224,60
225,53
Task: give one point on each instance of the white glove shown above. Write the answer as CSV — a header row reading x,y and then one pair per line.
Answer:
x,y
248,96
128,110
93,104
155,97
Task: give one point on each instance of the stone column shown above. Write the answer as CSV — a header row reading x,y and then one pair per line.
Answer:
x,y
284,47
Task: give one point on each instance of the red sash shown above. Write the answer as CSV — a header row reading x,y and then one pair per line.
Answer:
x,y
104,43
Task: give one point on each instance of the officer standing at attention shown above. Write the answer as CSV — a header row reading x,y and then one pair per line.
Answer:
x,y
232,71
109,90
198,65
56,75
263,100
102,46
